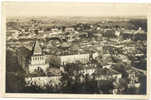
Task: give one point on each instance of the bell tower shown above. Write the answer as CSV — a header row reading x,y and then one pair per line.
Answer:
x,y
37,56
38,59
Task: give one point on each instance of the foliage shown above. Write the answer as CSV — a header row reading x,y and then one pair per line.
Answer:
x,y
139,23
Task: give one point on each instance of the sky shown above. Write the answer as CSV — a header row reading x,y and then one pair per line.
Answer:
x,y
73,9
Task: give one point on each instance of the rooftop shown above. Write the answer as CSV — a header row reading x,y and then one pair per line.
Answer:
x,y
37,49
105,71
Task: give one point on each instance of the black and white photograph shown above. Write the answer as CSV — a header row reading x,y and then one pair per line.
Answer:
x,y
75,48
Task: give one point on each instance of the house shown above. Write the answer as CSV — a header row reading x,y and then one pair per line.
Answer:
x,y
117,33
87,70
69,29
107,74
43,81
139,31
53,71
54,30
134,80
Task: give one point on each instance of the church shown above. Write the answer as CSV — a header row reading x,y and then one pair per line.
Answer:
x,y
37,60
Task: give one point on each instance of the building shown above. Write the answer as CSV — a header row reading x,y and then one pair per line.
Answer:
x,y
133,80
43,81
83,58
69,29
87,70
37,60
117,33
23,55
107,74
54,30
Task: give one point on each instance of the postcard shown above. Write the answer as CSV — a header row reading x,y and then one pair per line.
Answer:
x,y
75,50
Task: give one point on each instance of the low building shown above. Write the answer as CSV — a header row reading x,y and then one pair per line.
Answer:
x,y
54,29
107,74
117,33
133,80
43,81
87,70
69,29
53,71
83,58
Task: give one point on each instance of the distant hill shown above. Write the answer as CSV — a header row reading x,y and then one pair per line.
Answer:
x,y
69,20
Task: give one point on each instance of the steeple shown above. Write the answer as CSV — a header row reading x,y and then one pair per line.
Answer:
x,y
37,49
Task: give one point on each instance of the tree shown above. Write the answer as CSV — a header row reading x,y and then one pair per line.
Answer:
x,y
105,86
139,23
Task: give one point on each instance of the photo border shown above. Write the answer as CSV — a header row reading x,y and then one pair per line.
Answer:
x,y
37,95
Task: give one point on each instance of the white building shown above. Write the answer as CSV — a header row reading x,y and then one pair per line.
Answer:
x,y
69,29
43,81
83,58
117,33
87,70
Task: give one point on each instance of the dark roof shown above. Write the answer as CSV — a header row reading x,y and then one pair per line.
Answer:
x,y
105,71
24,51
37,49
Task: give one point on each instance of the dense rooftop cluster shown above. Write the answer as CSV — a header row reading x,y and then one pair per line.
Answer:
x,y
115,50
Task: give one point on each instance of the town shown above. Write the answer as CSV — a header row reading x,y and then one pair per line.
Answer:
x,y
76,55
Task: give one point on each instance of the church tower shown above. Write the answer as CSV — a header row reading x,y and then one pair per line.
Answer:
x,y
38,59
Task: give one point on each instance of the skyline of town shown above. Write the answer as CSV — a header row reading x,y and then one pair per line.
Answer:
x,y
78,56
